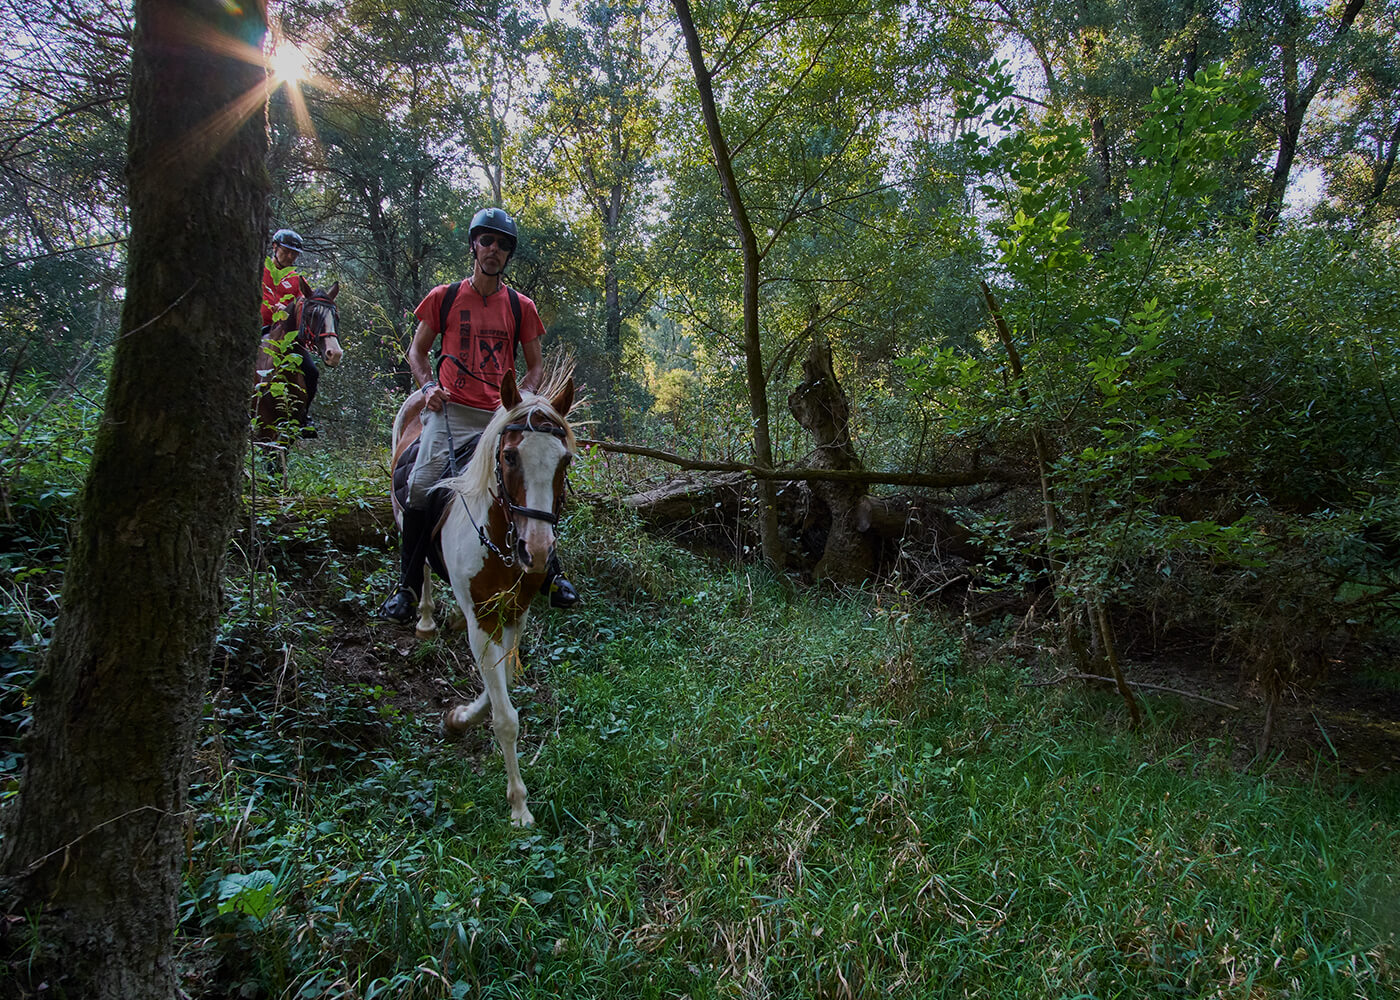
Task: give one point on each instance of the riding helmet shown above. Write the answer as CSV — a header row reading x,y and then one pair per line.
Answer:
x,y
492,220
287,238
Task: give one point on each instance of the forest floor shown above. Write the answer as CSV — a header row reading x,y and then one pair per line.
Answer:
x,y
1351,721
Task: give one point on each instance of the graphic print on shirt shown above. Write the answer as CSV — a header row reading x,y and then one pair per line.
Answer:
x,y
487,355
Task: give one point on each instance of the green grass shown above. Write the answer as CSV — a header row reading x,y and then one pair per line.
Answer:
x,y
741,792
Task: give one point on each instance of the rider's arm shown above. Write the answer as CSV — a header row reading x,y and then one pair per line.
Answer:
x,y
421,365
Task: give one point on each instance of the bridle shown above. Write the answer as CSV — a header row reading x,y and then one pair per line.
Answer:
x,y
321,302
502,497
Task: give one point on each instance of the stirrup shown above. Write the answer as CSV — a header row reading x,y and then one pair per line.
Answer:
x,y
401,607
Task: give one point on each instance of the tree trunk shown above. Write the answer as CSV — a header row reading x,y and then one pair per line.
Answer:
x,y
773,552
1380,177
94,837
822,410
612,337
1298,95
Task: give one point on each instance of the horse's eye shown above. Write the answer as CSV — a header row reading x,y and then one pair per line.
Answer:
x,y
568,460
510,457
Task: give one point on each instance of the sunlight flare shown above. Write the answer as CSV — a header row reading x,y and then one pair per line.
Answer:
x,y
289,63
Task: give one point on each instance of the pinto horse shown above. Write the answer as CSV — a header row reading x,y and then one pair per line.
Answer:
x,y
280,395
494,540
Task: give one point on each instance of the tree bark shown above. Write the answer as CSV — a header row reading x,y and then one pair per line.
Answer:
x,y
94,837
822,410
773,552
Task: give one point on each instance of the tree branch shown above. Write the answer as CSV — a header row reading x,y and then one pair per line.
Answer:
x,y
926,480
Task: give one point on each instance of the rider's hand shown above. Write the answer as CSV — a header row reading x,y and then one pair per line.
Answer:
x,y
434,396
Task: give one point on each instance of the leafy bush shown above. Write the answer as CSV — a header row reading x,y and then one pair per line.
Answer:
x,y
1214,414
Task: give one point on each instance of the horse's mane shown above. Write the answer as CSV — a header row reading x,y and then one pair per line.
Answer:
x,y
479,477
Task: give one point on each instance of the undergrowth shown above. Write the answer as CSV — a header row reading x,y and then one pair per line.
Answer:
x,y
742,792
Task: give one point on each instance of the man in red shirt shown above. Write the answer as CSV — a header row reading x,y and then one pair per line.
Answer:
x,y
480,327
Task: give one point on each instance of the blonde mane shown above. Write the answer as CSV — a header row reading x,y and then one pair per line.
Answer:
x,y
479,477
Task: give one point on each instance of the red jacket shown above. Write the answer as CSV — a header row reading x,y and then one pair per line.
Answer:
x,y
281,286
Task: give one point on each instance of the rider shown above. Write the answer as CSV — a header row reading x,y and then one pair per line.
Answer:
x,y
281,286
484,323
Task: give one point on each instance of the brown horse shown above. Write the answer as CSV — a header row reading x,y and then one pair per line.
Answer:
x,y
280,395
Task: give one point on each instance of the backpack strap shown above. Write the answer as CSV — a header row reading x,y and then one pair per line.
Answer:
x,y
514,311
448,297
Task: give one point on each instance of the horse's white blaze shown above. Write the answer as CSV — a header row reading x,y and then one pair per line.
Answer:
x,y
540,454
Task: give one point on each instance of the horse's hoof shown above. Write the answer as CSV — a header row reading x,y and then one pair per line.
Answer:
x,y
525,819
455,721
425,633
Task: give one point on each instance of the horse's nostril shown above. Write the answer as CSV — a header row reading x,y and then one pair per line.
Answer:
x,y
522,552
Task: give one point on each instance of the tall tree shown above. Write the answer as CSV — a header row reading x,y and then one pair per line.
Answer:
x,y
1309,44
1357,138
748,241
795,96
603,116
94,837
63,95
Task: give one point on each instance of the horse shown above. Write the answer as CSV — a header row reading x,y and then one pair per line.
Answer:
x,y
494,540
280,395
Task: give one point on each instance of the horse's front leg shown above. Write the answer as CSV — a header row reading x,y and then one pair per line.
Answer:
x,y
495,661
426,627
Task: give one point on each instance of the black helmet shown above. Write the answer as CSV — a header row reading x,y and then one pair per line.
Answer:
x,y
287,238
492,220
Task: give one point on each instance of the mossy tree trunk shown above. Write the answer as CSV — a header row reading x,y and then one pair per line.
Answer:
x,y
95,835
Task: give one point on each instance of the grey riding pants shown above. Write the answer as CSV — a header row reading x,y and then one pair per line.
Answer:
x,y
434,450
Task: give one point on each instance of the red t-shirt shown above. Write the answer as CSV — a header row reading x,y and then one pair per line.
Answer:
x,y
481,336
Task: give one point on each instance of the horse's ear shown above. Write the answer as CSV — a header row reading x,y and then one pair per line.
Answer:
x,y
335,290
510,395
305,288
563,400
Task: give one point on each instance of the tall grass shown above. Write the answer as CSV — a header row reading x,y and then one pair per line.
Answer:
x,y
742,792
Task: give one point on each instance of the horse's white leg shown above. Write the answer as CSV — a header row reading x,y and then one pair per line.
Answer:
x,y
494,661
426,628
461,717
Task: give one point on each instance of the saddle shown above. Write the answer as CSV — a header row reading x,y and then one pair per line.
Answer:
x,y
437,499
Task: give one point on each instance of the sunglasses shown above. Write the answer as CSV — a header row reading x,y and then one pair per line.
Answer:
x,y
487,240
